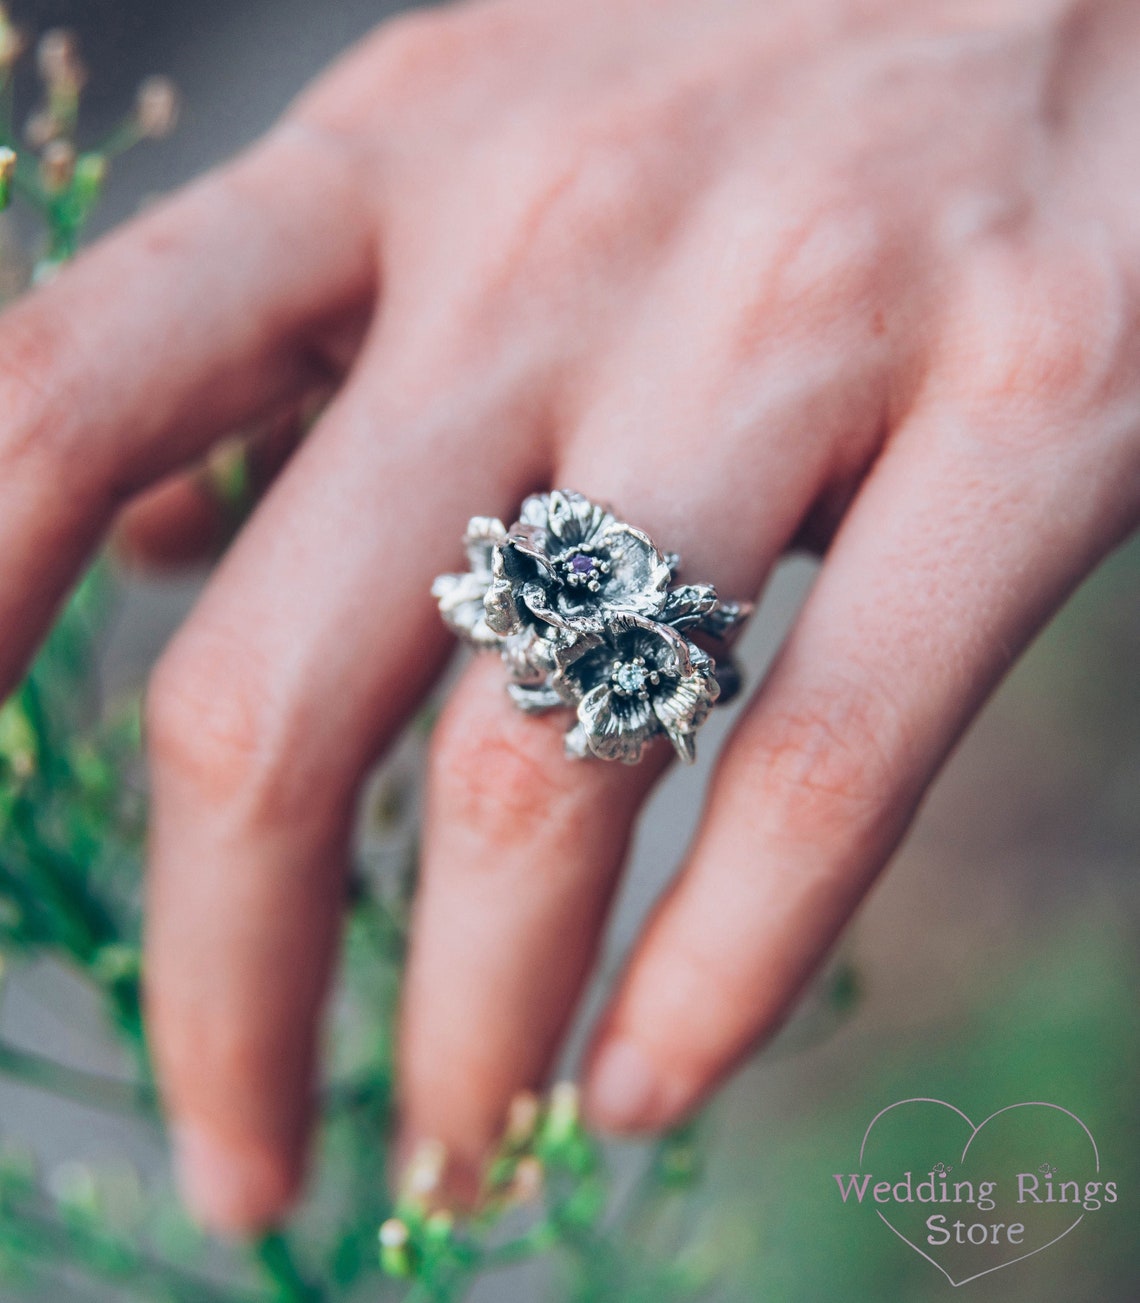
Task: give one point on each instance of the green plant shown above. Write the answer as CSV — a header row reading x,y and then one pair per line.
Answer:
x,y
49,168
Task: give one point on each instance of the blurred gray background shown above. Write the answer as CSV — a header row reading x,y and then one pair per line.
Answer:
x,y
1022,864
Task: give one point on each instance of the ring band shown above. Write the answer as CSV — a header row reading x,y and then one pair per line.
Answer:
x,y
587,613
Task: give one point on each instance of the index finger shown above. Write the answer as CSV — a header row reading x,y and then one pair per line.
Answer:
x,y
191,318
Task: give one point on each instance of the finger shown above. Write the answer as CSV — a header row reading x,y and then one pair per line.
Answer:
x,y
521,852
185,323
307,652
522,847
179,522
955,551
192,515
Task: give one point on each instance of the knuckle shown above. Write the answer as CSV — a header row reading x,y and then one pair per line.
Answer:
x,y
569,216
506,781
412,60
829,766
414,49
425,53
32,348
822,260
1040,332
818,277
208,724
599,188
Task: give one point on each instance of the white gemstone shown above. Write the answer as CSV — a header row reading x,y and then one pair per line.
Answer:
x,y
630,679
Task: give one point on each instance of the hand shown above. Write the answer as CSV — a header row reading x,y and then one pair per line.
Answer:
x,y
863,276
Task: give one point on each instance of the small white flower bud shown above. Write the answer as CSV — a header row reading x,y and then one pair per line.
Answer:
x,y
522,1118
57,165
156,107
393,1233
57,58
395,1248
424,1172
41,128
527,1181
13,42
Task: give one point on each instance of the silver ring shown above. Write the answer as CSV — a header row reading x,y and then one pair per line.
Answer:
x,y
587,613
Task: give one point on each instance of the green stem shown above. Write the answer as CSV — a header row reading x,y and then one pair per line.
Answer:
x,y
73,1083
125,136
275,1255
70,1248
541,1236
87,924
117,1096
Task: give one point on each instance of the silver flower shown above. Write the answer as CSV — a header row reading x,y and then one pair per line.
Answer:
x,y
531,658
461,596
567,563
636,679
586,613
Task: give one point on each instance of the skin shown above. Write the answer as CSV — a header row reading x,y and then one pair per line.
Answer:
x,y
861,276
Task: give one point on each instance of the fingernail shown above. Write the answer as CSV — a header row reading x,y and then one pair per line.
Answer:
x,y
227,1189
622,1089
426,1173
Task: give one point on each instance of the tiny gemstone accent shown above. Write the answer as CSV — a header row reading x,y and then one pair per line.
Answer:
x,y
583,570
629,679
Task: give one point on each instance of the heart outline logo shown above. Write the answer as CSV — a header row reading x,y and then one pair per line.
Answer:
x,y
974,1130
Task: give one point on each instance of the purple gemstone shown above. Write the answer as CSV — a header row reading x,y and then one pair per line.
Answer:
x,y
581,564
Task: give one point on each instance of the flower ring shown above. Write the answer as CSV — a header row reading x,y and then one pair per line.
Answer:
x,y
587,615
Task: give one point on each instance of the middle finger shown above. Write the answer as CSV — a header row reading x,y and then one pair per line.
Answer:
x,y
523,847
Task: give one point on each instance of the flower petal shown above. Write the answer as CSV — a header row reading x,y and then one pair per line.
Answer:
x,y
573,519
683,707
535,510
534,700
725,617
684,744
570,650
577,748
537,601
615,731
483,532
442,586
531,543
460,600
639,575
583,665
499,606
663,646
528,656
